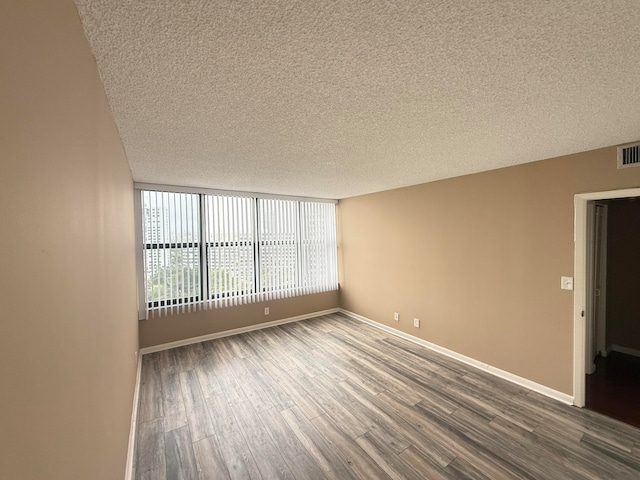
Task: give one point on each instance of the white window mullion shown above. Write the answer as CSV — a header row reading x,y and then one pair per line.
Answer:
x,y
274,254
286,239
268,250
280,235
323,246
222,283
251,267
230,290
323,249
293,249
234,250
147,253
172,240
187,216
304,222
183,250
204,212
199,233
195,254
286,249
167,257
257,263
308,251
219,249
224,235
198,236
159,256
162,292
333,242
242,251
239,268
287,260
313,248
278,250
216,251
299,287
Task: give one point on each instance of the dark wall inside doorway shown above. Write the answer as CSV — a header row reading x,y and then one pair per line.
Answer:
x,y
623,274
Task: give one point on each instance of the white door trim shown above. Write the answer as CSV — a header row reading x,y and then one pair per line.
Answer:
x,y
601,314
589,299
580,284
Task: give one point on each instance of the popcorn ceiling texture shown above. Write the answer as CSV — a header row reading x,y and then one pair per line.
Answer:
x,y
335,99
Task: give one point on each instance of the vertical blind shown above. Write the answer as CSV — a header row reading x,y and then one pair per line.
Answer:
x,y
171,243
230,233
203,251
278,247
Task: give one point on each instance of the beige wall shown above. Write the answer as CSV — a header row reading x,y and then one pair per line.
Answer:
x,y
68,328
159,330
478,259
623,272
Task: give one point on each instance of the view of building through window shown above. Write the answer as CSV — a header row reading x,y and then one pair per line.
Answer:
x,y
171,240
253,248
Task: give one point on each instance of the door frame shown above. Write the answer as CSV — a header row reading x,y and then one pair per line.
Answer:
x,y
580,284
600,315
596,278
590,259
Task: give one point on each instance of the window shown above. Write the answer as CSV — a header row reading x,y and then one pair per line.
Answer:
x,y
230,233
203,250
278,237
171,244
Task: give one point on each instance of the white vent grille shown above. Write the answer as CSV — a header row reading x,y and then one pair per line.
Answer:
x,y
629,156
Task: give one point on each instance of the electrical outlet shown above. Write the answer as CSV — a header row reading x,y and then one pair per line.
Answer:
x,y
416,322
395,316
266,310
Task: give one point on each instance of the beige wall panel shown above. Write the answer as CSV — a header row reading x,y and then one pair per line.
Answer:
x,y
68,329
159,330
478,259
623,275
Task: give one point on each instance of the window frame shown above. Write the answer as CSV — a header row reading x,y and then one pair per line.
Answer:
x,y
204,245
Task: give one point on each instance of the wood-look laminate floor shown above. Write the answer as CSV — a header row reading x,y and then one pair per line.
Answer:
x,y
335,398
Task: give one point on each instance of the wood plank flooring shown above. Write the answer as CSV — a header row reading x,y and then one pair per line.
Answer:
x,y
334,398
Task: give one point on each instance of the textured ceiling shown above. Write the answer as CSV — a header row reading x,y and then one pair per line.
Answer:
x,y
335,99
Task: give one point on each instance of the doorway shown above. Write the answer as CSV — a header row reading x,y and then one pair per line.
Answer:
x,y
606,364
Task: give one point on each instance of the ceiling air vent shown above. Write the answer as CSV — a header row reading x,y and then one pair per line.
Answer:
x,y
629,156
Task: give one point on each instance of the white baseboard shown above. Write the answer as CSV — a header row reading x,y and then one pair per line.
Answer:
x,y
129,474
523,382
625,350
235,331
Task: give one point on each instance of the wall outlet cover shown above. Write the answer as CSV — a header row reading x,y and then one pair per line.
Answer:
x,y
566,283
